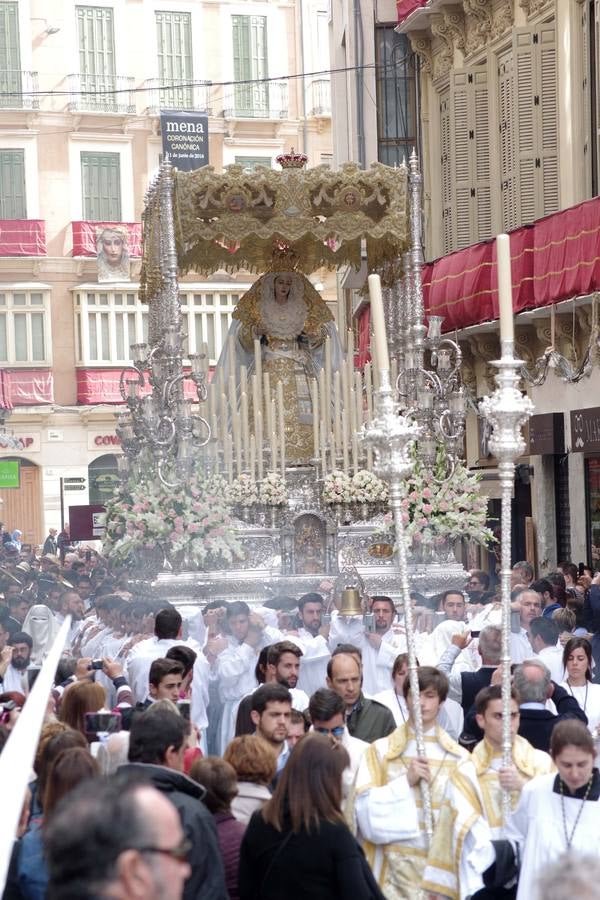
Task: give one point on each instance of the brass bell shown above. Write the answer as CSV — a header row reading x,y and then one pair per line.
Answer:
x,y
350,605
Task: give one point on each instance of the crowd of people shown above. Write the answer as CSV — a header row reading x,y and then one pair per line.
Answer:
x,y
269,751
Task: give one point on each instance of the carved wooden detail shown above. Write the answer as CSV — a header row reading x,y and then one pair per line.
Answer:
x,y
526,345
444,55
421,45
533,7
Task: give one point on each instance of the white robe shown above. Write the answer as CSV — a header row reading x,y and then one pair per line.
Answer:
x,y
450,717
141,658
537,827
313,665
590,704
378,662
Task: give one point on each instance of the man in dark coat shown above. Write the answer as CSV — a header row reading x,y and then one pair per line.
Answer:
x,y
366,719
534,687
156,748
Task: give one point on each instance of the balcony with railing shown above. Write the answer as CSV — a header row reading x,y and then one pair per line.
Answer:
x,y
265,100
102,93
171,93
18,89
319,98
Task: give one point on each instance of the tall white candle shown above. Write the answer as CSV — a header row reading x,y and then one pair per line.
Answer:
x,y
252,457
358,399
505,303
245,427
281,426
259,444
314,394
345,440
323,449
243,380
214,433
267,401
378,319
273,435
255,387
326,398
369,391
228,458
258,370
323,401
231,356
337,414
224,423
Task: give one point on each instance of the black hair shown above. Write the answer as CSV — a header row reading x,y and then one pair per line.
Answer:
x,y
269,693
311,597
381,598
324,705
184,655
20,637
160,668
152,733
167,624
545,628
238,608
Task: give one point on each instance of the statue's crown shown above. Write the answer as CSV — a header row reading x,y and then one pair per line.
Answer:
x,y
283,259
292,160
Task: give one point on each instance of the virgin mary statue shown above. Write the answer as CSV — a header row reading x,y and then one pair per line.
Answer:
x,y
285,312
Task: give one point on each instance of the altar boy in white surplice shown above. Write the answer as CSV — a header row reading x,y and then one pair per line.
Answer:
x,y
388,806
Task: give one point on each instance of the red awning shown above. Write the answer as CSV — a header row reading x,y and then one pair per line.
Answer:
x,y
405,7
553,259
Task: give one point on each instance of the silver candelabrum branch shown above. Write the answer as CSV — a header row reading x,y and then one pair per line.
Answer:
x,y
159,432
392,437
506,410
429,381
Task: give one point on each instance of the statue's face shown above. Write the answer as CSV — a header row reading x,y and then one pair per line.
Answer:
x,y
283,286
112,244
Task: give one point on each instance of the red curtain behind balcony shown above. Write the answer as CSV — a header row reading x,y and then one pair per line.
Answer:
x,y
84,237
405,7
102,386
553,259
22,237
25,387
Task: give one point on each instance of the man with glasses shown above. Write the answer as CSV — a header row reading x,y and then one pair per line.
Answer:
x,y
157,743
326,709
116,840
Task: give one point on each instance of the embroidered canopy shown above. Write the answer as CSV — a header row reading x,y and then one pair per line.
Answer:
x,y
237,219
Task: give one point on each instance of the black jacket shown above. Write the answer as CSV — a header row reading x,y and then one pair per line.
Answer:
x,y
207,881
326,864
370,720
536,725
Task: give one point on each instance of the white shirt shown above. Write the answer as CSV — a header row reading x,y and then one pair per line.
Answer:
x,y
450,717
141,658
377,662
553,658
15,680
520,647
313,665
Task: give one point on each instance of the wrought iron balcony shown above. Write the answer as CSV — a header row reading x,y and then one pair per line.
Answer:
x,y
268,100
17,89
102,93
319,98
170,93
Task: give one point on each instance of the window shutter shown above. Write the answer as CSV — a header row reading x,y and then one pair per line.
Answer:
x,y
250,64
446,168
258,48
101,187
95,31
586,101
536,129
10,54
174,43
508,176
547,124
241,62
471,143
12,185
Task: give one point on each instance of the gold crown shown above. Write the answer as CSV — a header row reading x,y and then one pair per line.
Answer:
x,y
283,259
292,160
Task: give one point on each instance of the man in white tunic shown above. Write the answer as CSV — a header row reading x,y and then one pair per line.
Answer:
x,y
379,648
388,805
312,636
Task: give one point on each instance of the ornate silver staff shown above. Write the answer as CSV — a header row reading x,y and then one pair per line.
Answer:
x,y
507,410
392,437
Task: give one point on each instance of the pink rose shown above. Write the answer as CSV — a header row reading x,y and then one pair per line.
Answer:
x,y
427,508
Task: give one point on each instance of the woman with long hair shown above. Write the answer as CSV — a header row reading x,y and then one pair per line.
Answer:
x,y
299,846
577,660
79,699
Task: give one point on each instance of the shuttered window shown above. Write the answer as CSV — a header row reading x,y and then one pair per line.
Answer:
x,y
95,31
508,166
12,185
586,99
101,187
471,169
250,64
446,171
536,126
10,56
175,69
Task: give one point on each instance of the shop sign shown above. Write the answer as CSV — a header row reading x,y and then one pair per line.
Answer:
x,y
585,430
10,473
547,434
29,441
87,522
101,441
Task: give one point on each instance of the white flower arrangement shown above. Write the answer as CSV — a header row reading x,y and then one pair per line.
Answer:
x,y
190,519
273,490
433,512
368,488
337,488
242,491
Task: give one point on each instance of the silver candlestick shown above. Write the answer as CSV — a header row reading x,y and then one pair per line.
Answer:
x,y
507,410
392,437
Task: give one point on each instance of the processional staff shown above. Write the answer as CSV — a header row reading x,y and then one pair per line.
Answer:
x,y
506,410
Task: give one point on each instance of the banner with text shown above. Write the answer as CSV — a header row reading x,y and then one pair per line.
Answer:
x,y
185,139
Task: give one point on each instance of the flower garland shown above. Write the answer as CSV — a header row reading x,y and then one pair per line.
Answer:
x,y
191,519
273,491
